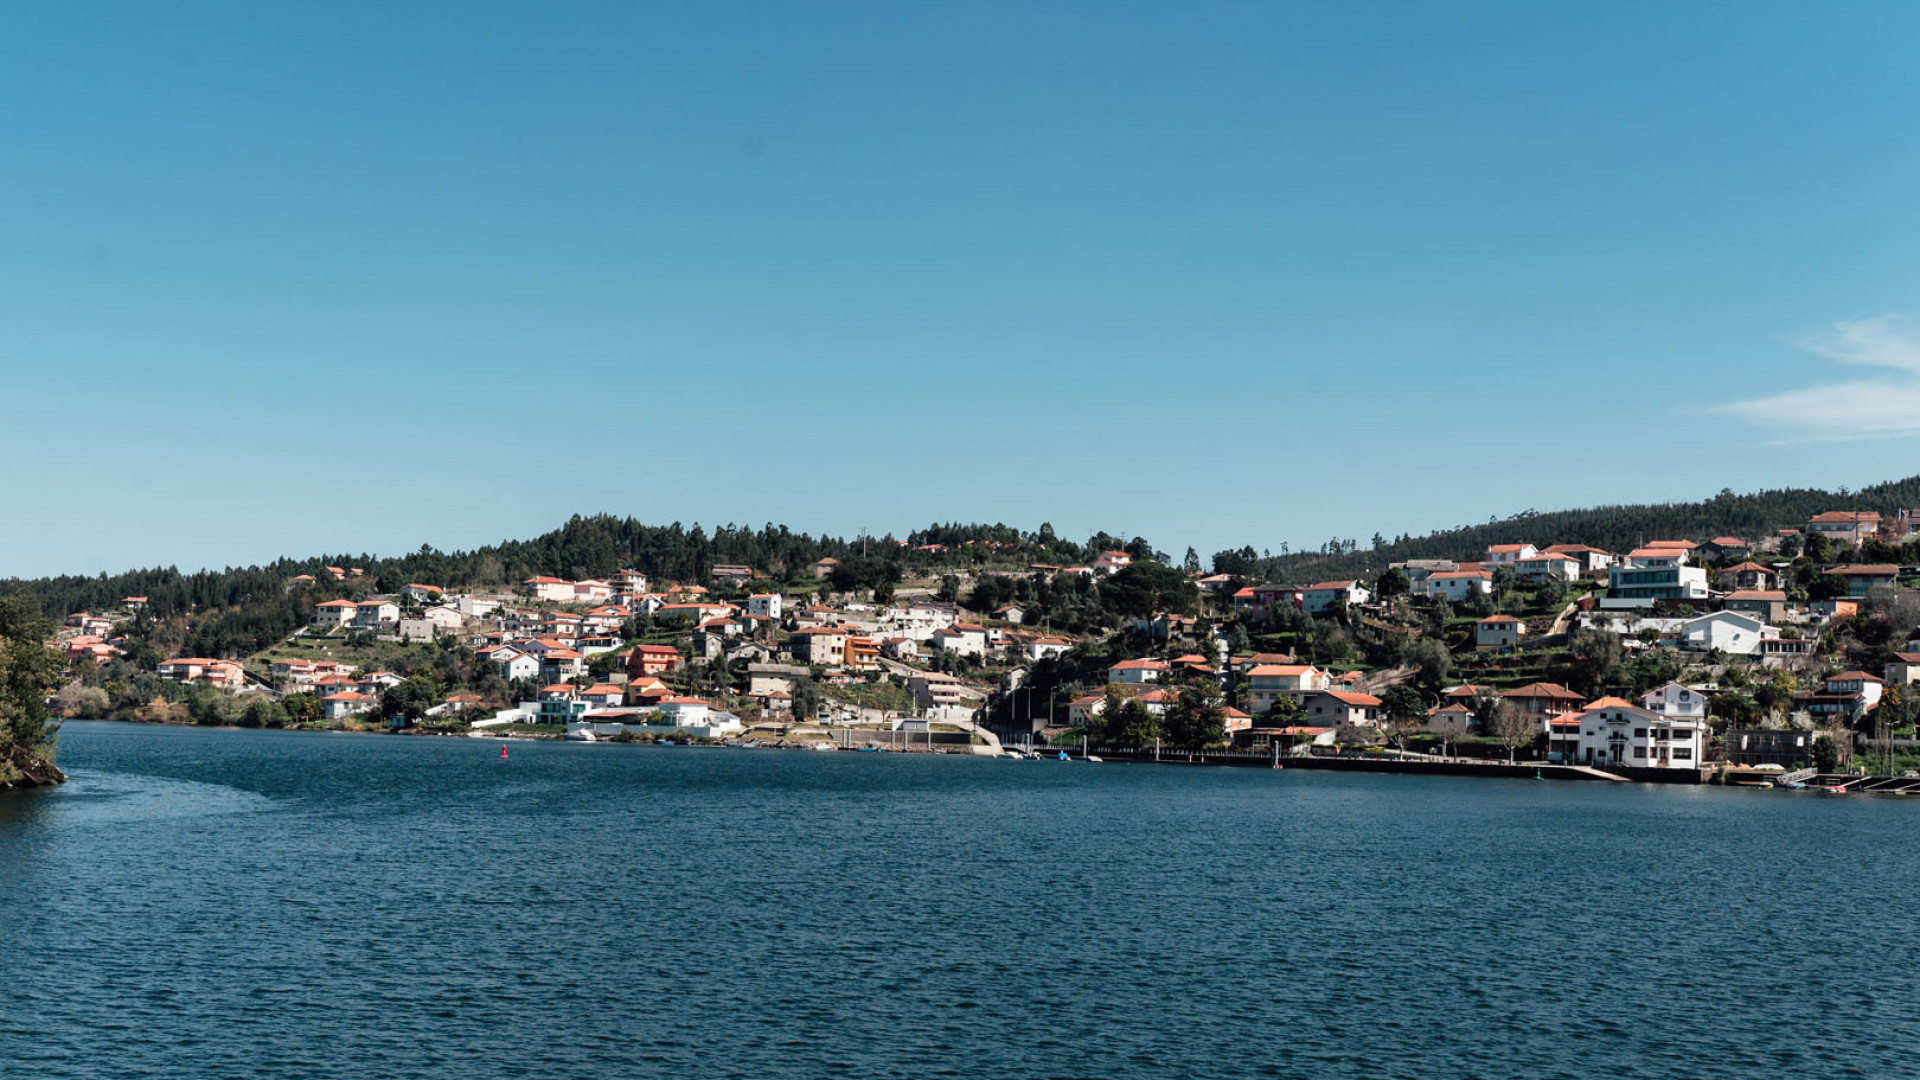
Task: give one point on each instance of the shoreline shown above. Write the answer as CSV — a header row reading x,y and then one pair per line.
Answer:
x,y
1487,770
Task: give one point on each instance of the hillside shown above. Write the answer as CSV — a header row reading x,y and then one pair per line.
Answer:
x,y
1615,528
233,608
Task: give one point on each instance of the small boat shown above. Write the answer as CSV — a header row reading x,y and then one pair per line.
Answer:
x,y
1095,759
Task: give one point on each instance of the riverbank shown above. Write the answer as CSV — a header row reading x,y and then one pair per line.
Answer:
x,y
38,772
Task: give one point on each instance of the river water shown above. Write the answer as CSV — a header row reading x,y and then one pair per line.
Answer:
x,y
206,903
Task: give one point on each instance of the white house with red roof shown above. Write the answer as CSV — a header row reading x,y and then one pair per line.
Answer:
x,y
1137,671
1508,554
1042,647
1320,597
333,613
1547,566
592,591
376,615
1268,683
1112,562
200,669
960,639
553,589
1612,731
765,604
346,703
515,664
1593,561
604,695
1453,586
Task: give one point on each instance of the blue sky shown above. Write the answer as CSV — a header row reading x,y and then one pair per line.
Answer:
x,y
290,279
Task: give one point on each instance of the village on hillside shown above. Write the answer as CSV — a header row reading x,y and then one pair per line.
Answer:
x,y
1795,649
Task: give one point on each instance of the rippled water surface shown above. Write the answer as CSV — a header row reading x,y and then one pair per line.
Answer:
x,y
264,904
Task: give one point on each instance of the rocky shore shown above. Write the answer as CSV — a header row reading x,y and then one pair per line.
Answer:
x,y
35,773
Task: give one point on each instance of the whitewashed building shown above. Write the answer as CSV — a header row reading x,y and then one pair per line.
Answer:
x,y
1615,732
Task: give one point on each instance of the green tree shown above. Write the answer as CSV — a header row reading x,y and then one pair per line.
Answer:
x,y
29,672
1432,664
407,702
1198,719
1146,587
1595,654
1406,713
806,699
1393,582
1131,725
1826,753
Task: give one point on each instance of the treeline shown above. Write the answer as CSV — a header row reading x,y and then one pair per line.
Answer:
x,y
1615,528
238,604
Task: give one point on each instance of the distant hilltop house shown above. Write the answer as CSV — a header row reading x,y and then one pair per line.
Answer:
x,y
1547,566
1730,547
333,613
1749,575
1768,605
1845,527
553,589
1657,573
729,572
199,669
1453,586
1041,648
1593,561
1862,578
1507,555
1322,597
1137,671
1112,562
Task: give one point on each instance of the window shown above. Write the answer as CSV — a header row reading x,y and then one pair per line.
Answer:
x,y
1682,753
1639,733
1639,751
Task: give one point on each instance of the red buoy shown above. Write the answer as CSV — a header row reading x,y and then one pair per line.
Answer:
x,y
503,751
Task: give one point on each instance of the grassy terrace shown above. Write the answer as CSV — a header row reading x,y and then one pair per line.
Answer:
x,y
372,656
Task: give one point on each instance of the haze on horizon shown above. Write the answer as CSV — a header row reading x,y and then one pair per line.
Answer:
x,y
283,281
